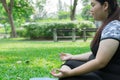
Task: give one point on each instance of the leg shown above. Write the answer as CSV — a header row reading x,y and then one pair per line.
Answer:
x,y
71,64
65,67
89,76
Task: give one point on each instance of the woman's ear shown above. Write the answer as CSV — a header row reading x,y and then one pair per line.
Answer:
x,y
105,6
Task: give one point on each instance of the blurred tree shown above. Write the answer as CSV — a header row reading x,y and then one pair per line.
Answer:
x,y
65,10
8,6
22,10
59,5
86,10
40,12
85,2
15,10
63,14
62,10
73,9
119,3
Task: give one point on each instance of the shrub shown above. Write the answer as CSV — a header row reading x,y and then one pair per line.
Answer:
x,y
85,24
63,15
21,32
45,30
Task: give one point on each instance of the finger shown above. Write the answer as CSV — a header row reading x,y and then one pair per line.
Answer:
x,y
62,53
56,74
59,70
55,70
53,73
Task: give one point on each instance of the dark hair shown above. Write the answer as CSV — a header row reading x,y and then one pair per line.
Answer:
x,y
112,5
114,14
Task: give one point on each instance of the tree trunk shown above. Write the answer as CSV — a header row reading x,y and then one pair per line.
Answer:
x,y
8,8
13,30
73,9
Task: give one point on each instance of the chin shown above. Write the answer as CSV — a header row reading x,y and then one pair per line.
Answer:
x,y
97,19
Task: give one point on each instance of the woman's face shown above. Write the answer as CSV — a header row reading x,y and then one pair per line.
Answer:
x,y
98,11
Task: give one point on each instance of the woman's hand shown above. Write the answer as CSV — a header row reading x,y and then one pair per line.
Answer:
x,y
64,56
61,73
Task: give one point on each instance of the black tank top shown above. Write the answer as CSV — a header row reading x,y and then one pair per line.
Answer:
x,y
113,67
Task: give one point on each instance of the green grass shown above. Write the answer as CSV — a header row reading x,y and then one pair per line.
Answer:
x,y
21,59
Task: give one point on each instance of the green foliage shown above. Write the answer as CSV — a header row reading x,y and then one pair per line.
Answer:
x,y
22,11
21,32
63,15
2,30
118,2
21,59
3,14
45,30
85,24
85,2
86,12
5,29
40,11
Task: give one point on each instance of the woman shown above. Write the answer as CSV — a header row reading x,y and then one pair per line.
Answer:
x,y
103,63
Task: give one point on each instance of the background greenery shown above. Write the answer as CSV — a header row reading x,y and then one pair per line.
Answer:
x,y
21,59
45,29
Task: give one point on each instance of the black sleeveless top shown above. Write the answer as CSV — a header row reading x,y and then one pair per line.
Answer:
x,y
111,31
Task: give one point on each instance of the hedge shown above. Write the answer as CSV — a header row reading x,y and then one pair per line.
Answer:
x,y
45,30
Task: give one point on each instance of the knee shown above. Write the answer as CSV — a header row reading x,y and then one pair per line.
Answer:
x,y
70,63
73,63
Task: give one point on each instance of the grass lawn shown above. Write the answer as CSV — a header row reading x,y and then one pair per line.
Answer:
x,y
21,59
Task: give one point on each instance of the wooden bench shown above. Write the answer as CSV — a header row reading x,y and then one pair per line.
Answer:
x,y
86,30
72,34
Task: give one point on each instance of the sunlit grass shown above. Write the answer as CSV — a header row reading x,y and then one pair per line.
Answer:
x,y
21,59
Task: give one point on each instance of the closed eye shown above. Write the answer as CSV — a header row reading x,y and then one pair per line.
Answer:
x,y
92,4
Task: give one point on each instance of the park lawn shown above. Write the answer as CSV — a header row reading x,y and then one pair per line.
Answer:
x,y
24,59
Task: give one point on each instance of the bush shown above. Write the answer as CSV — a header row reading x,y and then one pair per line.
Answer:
x,y
45,30
21,32
85,24
63,15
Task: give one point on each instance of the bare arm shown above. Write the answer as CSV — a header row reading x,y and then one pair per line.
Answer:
x,y
83,57
105,52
